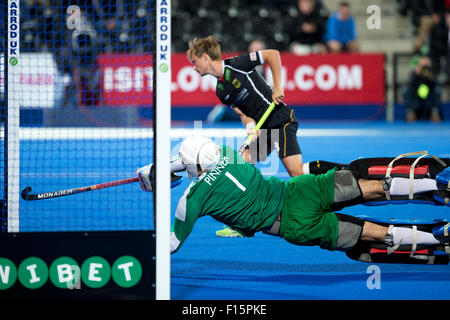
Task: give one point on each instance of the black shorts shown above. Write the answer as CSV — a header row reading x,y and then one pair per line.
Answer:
x,y
283,139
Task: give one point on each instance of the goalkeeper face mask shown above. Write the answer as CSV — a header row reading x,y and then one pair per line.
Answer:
x,y
198,152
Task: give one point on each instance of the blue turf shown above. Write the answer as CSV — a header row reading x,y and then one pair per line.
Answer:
x,y
262,267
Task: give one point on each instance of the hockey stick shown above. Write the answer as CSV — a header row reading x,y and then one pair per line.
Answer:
x,y
257,127
176,180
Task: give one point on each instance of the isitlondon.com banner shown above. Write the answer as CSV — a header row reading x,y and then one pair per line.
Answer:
x,y
307,80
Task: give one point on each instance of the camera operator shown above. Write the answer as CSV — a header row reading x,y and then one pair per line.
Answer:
x,y
85,45
422,94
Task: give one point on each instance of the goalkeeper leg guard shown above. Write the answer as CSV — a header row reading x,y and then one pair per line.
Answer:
x,y
442,196
443,179
387,169
407,241
379,168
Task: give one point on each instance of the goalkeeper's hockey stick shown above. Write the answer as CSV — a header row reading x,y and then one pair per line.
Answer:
x,y
257,127
26,195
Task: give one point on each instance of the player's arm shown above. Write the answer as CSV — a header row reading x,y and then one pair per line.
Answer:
x,y
244,119
186,215
272,58
249,123
146,174
178,234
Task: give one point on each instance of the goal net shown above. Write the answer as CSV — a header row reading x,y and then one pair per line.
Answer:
x,y
83,85
82,105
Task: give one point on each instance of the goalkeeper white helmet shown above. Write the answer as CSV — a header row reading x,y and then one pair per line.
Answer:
x,y
198,150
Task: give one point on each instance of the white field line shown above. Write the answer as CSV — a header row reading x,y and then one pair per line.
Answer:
x,y
146,133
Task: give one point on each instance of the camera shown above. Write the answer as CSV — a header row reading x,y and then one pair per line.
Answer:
x,y
83,40
426,72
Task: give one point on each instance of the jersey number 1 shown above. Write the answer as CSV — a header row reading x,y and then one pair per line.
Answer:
x,y
235,181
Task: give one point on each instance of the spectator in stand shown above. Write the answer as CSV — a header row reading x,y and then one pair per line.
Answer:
x,y
255,46
424,17
447,18
430,28
307,37
438,38
38,26
341,33
422,94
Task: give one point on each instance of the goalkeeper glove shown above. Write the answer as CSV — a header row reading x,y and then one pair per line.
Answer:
x,y
146,176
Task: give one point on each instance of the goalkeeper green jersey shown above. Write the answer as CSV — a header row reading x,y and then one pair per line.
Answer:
x,y
235,193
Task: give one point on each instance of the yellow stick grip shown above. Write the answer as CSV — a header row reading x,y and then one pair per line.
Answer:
x,y
261,121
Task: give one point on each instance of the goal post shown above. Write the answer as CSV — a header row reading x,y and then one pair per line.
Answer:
x,y
162,140
11,123
85,101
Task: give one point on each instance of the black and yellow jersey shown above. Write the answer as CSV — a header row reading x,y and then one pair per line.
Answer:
x,y
242,86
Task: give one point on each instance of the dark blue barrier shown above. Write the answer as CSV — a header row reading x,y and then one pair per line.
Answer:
x,y
313,113
399,111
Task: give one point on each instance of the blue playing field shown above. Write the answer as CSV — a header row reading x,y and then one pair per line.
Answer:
x,y
261,267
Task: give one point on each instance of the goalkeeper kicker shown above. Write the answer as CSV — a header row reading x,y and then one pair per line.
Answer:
x,y
303,210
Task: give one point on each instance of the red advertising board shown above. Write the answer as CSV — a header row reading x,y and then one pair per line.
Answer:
x,y
307,80
127,79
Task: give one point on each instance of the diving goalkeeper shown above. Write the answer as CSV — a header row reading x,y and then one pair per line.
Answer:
x,y
242,87
300,210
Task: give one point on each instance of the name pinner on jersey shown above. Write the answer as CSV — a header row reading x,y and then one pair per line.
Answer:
x,y
212,174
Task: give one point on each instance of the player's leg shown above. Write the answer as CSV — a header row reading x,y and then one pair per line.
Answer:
x,y
289,149
293,165
346,190
398,241
307,221
308,217
321,166
349,233
373,232
394,236
371,189
349,191
284,140
353,230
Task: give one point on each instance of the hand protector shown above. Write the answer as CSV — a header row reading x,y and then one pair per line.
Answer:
x,y
146,176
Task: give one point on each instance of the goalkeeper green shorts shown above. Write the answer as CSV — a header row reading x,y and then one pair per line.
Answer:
x,y
307,218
